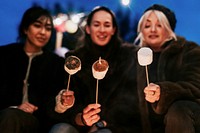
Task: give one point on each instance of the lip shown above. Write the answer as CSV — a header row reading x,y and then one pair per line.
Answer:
x,y
41,38
153,36
101,37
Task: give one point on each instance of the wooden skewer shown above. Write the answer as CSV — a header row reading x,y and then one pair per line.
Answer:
x,y
99,60
68,82
97,91
147,76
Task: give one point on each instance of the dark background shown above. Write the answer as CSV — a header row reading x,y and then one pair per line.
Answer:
x,y
187,13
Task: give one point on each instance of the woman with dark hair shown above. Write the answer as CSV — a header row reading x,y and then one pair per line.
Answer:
x,y
30,75
115,110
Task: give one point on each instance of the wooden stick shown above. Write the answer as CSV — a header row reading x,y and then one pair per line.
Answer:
x,y
68,82
97,91
147,76
99,60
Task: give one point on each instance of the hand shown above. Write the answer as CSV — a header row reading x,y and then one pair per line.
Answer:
x,y
67,98
27,107
90,114
152,92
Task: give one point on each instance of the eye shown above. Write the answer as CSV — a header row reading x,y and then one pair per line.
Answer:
x,y
147,26
107,25
95,24
159,25
48,28
37,25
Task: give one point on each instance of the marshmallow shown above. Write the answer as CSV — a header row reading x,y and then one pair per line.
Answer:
x,y
72,64
100,68
145,56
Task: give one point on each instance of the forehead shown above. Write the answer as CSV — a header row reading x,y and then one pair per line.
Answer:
x,y
152,17
102,16
44,20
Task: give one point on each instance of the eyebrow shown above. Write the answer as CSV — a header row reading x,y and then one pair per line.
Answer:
x,y
148,20
46,22
97,21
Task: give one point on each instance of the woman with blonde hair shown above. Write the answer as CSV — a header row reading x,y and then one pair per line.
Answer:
x,y
170,103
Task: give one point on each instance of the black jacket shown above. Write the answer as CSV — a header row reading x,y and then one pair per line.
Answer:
x,y
45,80
178,75
117,91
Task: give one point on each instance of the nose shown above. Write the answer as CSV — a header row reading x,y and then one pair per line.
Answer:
x,y
153,28
102,28
43,30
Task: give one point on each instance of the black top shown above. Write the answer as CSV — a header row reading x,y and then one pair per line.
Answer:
x,y
45,80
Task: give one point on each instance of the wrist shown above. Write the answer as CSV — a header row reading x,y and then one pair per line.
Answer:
x,y
83,121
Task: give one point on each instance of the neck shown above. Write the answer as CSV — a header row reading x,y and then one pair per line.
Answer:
x,y
156,49
31,48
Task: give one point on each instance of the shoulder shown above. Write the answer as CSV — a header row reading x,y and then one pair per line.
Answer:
x,y
11,48
129,46
79,52
181,41
128,49
184,47
49,55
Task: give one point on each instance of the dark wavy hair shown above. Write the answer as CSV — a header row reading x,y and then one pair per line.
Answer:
x,y
29,17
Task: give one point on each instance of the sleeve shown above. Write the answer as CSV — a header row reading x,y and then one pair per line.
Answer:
x,y
181,79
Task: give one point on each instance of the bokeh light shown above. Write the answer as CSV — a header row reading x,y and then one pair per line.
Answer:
x,y
125,2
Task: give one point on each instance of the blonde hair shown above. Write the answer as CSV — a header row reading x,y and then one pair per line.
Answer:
x,y
163,21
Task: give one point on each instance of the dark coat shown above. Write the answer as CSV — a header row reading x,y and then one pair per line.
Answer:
x,y
117,91
178,75
45,80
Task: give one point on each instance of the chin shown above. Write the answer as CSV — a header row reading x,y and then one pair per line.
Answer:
x,y
101,44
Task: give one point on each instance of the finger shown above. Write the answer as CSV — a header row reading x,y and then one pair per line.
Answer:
x,y
92,119
32,106
152,98
67,93
90,107
67,100
92,113
29,106
150,93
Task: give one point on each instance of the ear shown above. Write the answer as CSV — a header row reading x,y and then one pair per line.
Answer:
x,y
87,29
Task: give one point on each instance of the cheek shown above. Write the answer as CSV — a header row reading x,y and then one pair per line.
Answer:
x,y
112,31
29,34
164,34
48,34
93,37
145,35
145,32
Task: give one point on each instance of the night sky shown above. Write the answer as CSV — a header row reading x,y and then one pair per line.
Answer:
x,y
187,13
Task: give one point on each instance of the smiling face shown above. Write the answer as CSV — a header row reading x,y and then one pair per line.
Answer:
x,y
38,34
101,28
154,33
